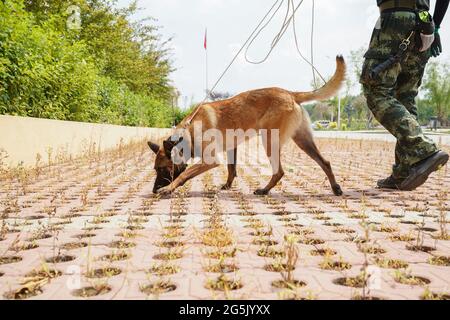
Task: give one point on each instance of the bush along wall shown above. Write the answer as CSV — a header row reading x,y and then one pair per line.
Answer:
x,y
89,74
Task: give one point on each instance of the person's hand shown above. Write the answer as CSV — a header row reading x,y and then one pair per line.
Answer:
x,y
436,47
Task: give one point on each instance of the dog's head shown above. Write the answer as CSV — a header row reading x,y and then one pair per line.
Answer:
x,y
166,169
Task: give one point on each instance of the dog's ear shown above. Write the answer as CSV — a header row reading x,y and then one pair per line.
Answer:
x,y
153,146
170,143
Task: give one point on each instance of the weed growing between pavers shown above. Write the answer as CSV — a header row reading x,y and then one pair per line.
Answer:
x,y
429,295
33,283
222,283
440,261
92,291
391,263
158,288
407,278
100,211
10,259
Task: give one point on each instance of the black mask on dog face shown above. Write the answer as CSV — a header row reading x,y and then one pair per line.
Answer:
x,y
166,170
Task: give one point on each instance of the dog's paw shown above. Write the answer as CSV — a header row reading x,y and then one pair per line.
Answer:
x,y
165,191
337,190
225,187
261,192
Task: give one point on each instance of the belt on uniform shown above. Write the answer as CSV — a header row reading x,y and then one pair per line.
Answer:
x,y
398,5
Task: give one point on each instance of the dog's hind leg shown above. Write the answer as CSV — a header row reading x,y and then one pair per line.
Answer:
x,y
304,139
232,164
272,148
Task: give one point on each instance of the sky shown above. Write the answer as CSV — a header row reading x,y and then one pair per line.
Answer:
x,y
341,26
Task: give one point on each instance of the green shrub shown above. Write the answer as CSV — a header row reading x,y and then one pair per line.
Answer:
x,y
333,126
49,73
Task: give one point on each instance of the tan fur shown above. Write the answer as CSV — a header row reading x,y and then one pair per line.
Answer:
x,y
210,115
330,88
270,108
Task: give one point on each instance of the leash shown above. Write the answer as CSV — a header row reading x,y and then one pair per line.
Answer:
x,y
279,35
313,20
288,19
284,27
311,63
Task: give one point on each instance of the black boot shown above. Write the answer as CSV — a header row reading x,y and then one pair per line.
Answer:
x,y
420,172
390,183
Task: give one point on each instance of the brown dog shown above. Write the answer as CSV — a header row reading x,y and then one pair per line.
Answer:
x,y
265,109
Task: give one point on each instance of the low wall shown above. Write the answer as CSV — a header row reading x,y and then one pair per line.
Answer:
x,y
23,138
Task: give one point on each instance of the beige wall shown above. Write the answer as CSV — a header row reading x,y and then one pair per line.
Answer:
x,y
23,138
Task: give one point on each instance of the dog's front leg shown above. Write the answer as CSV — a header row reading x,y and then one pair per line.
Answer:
x,y
190,173
232,164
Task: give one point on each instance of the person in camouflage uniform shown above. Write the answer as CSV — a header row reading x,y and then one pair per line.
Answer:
x,y
391,93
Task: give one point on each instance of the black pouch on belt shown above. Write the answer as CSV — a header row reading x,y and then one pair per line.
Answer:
x,y
426,29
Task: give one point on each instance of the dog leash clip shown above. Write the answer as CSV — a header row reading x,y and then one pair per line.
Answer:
x,y
406,42
404,45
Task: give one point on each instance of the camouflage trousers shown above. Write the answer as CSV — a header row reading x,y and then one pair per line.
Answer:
x,y
391,94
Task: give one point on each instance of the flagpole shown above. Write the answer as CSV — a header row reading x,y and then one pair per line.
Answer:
x,y
207,80
206,63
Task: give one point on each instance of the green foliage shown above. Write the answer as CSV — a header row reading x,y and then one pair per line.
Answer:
x,y
181,114
437,91
425,111
355,114
109,71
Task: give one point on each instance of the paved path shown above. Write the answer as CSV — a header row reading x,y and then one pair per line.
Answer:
x,y
91,229
441,139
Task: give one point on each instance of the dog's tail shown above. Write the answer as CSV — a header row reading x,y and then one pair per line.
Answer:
x,y
329,89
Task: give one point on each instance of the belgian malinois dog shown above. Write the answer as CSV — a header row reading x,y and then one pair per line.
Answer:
x,y
265,109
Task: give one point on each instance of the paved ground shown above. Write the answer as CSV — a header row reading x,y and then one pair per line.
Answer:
x,y
440,137
91,228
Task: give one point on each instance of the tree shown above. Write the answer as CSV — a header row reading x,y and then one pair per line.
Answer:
x,y
357,61
112,70
437,90
349,110
129,52
321,111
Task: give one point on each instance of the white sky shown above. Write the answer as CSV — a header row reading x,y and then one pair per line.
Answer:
x,y
341,26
